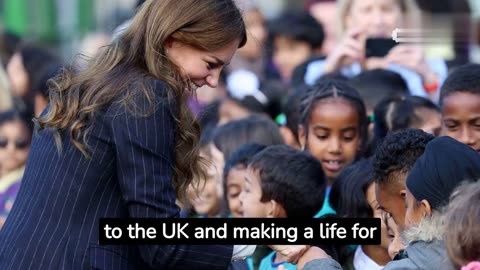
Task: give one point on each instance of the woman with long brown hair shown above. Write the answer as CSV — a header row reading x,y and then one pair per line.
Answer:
x,y
118,140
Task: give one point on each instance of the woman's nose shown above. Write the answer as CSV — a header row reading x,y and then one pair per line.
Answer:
x,y
212,79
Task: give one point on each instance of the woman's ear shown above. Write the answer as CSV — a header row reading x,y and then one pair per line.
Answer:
x,y
168,43
301,136
427,209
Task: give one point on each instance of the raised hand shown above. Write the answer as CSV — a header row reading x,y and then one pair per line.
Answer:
x,y
350,50
290,253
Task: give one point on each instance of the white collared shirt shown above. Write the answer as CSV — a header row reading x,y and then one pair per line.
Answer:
x,y
362,262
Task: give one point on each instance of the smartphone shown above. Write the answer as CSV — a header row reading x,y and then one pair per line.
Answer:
x,y
379,47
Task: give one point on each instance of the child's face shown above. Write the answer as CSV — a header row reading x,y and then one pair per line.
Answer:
x,y
333,134
288,54
461,118
377,213
394,237
218,162
391,198
251,195
256,35
14,145
326,14
235,181
207,201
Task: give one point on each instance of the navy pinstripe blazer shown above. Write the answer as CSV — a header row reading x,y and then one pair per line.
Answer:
x,y
54,221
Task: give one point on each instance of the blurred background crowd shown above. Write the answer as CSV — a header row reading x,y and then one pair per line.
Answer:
x,y
320,76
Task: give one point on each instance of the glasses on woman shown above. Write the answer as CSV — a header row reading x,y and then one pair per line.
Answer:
x,y
19,144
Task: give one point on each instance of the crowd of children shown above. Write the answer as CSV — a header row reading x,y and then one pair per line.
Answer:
x,y
301,128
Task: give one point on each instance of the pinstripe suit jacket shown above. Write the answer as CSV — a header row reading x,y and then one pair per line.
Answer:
x,y
54,221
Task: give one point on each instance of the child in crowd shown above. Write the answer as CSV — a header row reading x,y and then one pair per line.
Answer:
x,y
396,242
228,138
255,129
252,56
234,176
295,36
206,200
28,70
392,162
378,84
374,86
282,182
333,125
444,165
400,112
460,105
15,137
247,95
463,219
233,181
353,196
333,128
325,12
290,117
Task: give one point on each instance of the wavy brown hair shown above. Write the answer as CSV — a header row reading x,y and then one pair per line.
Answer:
x,y
124,69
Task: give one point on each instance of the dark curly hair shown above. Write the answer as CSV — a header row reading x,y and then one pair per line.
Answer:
x,y
398,152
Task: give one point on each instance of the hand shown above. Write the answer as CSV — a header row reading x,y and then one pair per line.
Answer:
x,y
311,254
350,50
408,56
374,63
412,57
291,253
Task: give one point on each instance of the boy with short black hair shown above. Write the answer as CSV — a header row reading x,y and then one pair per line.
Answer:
x,y
460,105
295,37
282,182
234,175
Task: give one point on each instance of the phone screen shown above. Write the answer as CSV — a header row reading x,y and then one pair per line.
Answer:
x,y
379,47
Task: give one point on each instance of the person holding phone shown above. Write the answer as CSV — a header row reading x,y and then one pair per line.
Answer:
x,y
367,44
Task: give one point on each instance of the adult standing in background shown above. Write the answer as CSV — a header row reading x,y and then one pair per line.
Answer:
x,y
361,20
